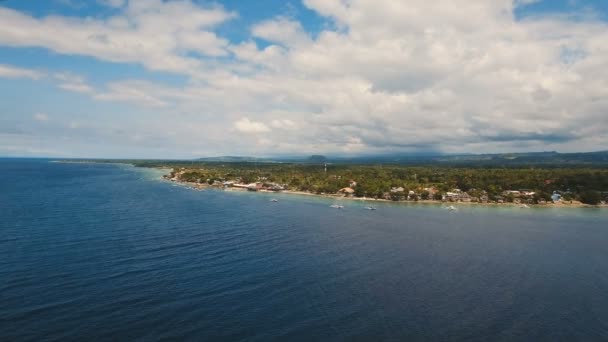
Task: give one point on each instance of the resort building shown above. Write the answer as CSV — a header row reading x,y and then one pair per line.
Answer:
x,y
555,197
347,191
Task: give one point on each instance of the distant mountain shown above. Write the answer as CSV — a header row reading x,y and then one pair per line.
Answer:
x,y
550,158
316,159
531,158
235,159
246,159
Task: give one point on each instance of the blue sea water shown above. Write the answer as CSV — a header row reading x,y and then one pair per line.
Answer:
x,y
111,252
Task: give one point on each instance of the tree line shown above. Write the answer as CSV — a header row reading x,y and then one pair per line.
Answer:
x,y
590,185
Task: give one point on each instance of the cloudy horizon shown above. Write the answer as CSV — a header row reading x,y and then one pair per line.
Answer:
x,y
186,79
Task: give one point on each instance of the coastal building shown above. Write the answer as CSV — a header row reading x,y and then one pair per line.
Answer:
x,y
255,186
274,187
451,196
251,186
527,193
465,197
457,195
432,191
555,197
399,189
347,191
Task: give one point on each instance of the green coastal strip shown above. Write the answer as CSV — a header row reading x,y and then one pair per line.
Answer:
x,y
572,186
529,186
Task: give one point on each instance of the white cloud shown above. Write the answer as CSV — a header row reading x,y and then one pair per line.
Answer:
x,y
73,83
8,71
247,126
455,76
41,117
281,30
155,33
137,92
283,124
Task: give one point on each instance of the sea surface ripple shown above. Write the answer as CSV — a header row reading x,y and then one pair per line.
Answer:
x,y
110,252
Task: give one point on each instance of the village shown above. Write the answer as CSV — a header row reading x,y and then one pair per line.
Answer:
x,y
397,193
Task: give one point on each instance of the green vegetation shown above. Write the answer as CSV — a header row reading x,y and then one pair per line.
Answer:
x,y
377,181
590,197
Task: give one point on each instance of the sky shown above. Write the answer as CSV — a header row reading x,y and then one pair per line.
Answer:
x,y
197,78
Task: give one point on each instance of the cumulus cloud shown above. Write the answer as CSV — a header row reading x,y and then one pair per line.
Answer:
x,y
73,83
281,30
155,33
383,76
132,91
7,71
247,126
283,124
41,117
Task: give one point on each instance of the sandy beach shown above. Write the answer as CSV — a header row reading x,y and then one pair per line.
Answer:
x,y
561,204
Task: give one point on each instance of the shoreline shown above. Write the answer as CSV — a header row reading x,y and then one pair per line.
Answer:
x,y
575,205
199,186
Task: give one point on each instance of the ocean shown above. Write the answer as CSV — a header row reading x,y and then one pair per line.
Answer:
x,y
112,252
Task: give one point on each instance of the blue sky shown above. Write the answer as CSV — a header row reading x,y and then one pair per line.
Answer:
x,y
183,78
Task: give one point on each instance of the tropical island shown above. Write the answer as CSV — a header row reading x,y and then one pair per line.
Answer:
x,y
469,180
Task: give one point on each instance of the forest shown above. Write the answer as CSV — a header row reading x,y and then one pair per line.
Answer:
x,y
590,185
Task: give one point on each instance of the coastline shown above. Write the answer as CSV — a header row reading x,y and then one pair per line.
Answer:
x,y
202,186
574,205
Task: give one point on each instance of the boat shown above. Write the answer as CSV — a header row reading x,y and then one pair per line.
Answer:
x,y
369,206
450,208
274,200
336,205
524,206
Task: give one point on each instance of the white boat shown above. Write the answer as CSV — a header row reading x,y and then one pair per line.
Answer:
x,y
274,200
336,205
524,206
369,206
451,208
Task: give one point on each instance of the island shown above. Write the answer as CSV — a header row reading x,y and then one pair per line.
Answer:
x,y
570,186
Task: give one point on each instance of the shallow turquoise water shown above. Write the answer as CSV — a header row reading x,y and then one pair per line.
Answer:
x,y
107,252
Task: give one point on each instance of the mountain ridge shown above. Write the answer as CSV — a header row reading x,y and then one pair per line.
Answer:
x,y
511,158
